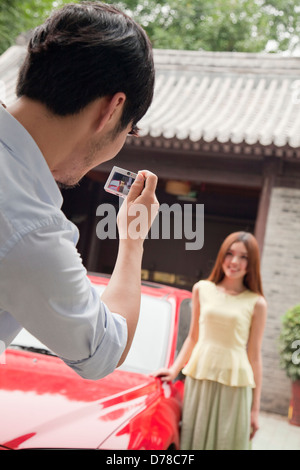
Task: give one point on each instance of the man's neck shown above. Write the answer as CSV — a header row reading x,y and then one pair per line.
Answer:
x,y
58,138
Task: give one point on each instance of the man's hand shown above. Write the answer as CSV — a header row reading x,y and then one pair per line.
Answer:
x,y
139,209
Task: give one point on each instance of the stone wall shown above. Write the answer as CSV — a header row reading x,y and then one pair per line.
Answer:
x,y
281,282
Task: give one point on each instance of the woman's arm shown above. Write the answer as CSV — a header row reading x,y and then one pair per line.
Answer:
x,y
188,345
254,355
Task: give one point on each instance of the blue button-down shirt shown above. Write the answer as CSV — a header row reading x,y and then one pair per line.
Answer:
x,y
43,285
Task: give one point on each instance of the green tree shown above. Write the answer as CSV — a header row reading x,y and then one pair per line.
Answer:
x,y
219,25
212,25
19,16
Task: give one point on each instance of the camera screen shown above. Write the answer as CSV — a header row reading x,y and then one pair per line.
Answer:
x,y
120,183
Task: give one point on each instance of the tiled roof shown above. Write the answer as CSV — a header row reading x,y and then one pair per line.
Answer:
x,y
226,97
212,96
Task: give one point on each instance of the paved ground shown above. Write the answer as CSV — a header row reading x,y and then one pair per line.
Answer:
x,y
276,433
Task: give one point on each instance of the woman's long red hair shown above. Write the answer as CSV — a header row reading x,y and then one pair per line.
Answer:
x,y
252,279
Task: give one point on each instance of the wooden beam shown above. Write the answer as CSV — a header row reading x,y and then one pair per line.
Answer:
x,y
196,168
270,170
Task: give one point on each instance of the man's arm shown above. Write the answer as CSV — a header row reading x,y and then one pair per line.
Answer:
x,y
123,293
45,288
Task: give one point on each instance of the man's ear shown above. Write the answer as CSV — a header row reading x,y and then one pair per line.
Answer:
x,y
110,111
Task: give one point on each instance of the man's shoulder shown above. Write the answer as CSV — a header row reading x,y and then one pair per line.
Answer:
x,y
27,202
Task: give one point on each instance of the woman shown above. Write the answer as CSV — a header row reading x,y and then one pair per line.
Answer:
x,y
223,350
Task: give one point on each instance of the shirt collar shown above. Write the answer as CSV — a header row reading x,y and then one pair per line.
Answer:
x,y
22,145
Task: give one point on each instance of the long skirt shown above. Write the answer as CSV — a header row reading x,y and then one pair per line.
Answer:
x,y
215,416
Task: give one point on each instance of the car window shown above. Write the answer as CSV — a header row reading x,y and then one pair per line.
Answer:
x,y
149,348
150,344
184,322
185,312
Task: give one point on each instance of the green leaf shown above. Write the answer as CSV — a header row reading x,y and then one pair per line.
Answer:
x,y
289,343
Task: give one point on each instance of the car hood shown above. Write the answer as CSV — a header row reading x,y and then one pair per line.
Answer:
x,y
44,404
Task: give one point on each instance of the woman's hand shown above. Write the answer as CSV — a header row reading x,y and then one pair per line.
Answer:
x,y
254,426
166,375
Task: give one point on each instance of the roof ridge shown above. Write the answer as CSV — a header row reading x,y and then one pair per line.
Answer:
x,y
233,61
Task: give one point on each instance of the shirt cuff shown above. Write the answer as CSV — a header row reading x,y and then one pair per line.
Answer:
x,y
108,353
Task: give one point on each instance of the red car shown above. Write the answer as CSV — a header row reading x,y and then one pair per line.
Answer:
x,y
44,404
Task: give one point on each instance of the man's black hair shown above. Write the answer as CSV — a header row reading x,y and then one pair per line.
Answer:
x,y
86,51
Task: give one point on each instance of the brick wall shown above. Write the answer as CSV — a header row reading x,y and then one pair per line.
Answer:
x,y
281,281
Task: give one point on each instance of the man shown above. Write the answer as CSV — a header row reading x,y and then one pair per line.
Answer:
x,y
87,80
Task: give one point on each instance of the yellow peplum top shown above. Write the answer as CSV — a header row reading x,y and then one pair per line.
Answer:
x,y
224,324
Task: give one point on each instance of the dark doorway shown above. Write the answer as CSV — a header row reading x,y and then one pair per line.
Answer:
x,y
226,209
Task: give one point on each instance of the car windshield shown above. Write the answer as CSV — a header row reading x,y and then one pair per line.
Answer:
x,y
150,345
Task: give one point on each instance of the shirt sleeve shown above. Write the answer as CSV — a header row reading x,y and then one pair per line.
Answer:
x,y
46,289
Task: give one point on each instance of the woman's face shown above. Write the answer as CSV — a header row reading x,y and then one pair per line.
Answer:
x,y
236,261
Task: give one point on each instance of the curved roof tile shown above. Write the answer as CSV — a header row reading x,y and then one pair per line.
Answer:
x,y
225,97
210,96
